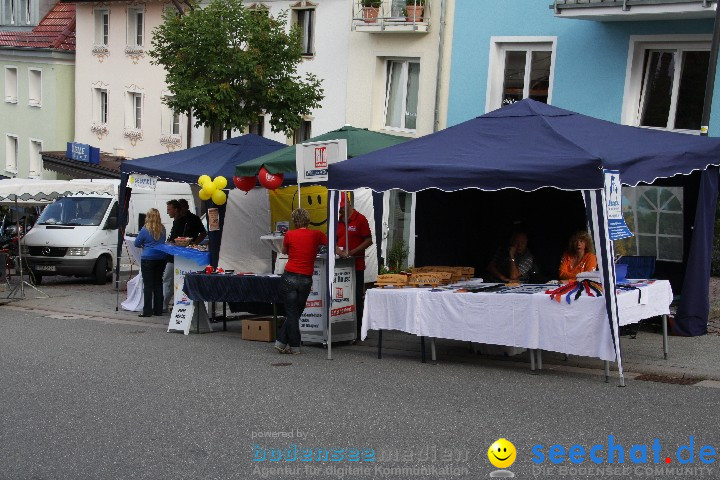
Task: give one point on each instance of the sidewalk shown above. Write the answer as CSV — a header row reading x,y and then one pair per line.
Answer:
x,y
690,358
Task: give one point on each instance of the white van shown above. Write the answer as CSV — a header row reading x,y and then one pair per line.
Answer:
x,y
77,235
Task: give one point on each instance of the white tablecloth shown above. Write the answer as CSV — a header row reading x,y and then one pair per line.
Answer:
x,y
515,320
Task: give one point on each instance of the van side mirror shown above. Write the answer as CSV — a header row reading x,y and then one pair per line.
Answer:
x,y
111,223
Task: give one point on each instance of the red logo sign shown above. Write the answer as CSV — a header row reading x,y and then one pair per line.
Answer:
x,y
342,310
321,157
339,292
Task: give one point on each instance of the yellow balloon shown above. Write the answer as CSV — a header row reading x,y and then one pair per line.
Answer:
x,y
204,179
219,197
220,182
203,195
209,188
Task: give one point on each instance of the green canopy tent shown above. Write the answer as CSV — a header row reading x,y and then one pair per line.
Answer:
x,y
359,142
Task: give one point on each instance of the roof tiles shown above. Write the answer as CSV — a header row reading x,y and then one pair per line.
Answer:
x,y
55,31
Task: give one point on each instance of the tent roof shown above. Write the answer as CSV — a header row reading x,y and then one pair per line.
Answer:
x,y
213,159
359,141
527,145
39,192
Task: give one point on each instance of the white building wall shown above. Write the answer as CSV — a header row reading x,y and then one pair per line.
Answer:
x,y
368,54
118,72
330,62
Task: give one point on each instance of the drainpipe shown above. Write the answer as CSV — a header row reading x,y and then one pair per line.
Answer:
x,y
438,78
712,70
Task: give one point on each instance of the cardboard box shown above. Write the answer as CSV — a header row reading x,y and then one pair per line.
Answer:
x,y
259,330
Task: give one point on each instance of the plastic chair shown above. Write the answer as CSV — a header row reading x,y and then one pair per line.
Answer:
x,y
639,266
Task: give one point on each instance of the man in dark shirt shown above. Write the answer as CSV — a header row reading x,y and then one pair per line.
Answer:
x,y
193,225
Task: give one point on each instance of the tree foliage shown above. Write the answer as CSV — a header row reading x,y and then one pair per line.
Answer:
x,y
229,64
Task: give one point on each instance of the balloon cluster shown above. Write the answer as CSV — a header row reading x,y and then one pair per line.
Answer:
x,y
213,189
271,181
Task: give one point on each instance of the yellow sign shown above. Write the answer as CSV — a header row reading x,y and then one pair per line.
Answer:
x,y
313,199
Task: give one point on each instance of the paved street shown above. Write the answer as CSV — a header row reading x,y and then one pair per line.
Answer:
x,y
103,397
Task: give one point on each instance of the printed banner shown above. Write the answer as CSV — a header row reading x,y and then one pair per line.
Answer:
x,y
142,182
313,317
617,229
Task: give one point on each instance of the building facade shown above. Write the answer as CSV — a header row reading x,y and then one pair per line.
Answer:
x,y
119,92
36,114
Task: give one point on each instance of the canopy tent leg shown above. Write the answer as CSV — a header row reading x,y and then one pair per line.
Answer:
x,y
665,335
596,212
330,263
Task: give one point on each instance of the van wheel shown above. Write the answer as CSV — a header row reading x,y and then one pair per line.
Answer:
x,y
101,271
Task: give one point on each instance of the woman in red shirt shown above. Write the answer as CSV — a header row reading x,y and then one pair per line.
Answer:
x,y
579,257
301,246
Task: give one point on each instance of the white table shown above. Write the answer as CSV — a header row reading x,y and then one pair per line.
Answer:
x,y
532,321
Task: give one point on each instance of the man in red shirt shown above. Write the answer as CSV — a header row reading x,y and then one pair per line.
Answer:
x,y
358,239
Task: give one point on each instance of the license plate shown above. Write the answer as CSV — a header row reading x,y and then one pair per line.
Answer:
x,y
45,268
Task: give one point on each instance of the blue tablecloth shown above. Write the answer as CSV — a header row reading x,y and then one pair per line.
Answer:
x,y
201,258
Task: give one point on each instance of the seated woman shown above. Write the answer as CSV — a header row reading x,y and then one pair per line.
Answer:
x,y
513,263
579,257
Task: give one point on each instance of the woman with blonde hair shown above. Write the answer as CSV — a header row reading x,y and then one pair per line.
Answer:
x,y
301,246
152,263
579,256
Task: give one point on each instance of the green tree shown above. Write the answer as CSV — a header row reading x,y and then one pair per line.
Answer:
x,y
228,65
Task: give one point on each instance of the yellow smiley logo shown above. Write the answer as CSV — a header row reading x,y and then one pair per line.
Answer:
x,y
502,453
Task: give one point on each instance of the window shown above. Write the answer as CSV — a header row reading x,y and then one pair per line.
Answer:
x,y
11,84
306,23
34,87
102,26
401,94
135,27
35,164
134,110
398,224
303,133
257,127
170,119
100,107
655,216
673,88
11,153
519,68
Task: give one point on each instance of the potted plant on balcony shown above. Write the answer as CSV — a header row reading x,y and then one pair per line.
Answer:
x,y
414,10
370,10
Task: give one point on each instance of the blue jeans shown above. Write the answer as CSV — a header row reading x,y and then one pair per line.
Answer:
x,y
152,275
295,291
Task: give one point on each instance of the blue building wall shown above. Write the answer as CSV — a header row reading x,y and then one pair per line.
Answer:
x,y
590,62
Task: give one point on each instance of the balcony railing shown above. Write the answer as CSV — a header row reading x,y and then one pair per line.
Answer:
x,y
391,16
633,9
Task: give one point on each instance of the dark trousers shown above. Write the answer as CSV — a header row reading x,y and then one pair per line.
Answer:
x,y
359,298
152,275
295,292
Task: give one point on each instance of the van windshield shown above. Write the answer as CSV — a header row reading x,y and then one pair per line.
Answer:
x,y
73,211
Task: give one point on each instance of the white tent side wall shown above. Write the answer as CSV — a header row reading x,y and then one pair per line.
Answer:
x,y
247,218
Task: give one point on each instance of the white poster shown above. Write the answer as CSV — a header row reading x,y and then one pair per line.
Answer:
x,y
312,318
343,296
183,307
312,159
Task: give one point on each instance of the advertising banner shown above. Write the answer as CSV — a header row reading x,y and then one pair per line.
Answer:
x,y
617,229
312,159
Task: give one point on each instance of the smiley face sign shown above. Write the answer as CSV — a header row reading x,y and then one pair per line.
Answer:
x,y
502,453
313,199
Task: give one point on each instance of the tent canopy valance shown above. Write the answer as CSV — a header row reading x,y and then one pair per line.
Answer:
x,y
527,145
359,142
30,192
213,159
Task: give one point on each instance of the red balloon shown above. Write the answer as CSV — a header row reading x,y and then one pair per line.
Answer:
x,y
271,181
244,183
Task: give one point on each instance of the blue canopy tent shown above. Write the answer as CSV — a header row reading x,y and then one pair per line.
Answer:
x,y
529,146
213,159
